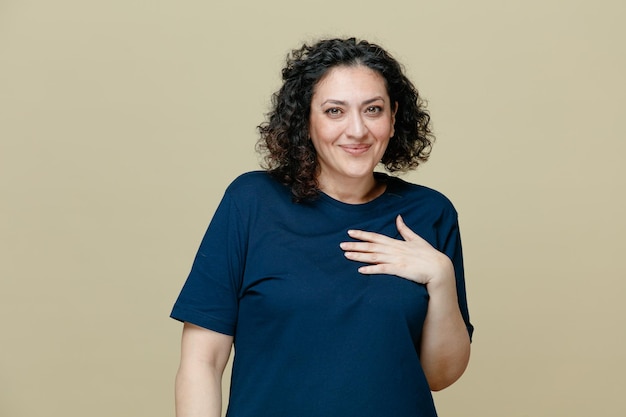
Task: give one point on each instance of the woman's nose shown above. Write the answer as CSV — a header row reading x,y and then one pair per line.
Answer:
x,y
356,126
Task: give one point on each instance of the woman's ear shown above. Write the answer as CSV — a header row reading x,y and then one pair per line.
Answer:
x,y
394,110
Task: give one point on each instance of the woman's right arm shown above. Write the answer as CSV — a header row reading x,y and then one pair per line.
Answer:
x,y
204,354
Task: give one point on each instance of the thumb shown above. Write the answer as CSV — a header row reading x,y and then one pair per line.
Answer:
x,y
405,232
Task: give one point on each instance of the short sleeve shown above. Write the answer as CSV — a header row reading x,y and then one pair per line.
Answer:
x,y
453,249
209,297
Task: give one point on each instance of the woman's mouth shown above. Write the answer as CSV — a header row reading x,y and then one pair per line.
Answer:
x,y
355,149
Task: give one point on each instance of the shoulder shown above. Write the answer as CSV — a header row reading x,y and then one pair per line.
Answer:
x,y
256,185
426,197
256,180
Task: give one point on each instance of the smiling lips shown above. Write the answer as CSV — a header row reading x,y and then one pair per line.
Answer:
x,y
355,149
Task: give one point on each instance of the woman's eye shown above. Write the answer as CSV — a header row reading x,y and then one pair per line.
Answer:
x,y
333,111
374,109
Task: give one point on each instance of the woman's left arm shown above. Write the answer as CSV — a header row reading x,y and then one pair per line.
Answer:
x,y
445,348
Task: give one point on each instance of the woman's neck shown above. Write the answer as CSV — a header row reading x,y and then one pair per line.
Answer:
x,y
356,191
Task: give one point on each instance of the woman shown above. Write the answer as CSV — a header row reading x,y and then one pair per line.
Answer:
x,y
341,288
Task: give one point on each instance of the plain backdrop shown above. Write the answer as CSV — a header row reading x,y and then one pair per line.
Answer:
x,y
122,122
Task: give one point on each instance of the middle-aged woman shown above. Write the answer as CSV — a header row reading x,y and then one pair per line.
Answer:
x,y
341,288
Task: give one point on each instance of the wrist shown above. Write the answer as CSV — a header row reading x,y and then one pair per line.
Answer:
x,y
444,278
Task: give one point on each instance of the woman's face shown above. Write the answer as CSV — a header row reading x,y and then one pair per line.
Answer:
x,y
350,124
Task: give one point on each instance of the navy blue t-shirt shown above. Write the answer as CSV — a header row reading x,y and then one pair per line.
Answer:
x,y
313,337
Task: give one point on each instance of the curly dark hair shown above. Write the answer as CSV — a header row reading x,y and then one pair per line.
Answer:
x,y
289,155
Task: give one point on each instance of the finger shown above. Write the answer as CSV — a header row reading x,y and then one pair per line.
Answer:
x,y
359,246
377,269
368,257
369,236
366,247
406,233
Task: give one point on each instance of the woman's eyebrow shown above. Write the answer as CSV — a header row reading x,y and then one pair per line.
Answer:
x,y
343,103
334,101
371,100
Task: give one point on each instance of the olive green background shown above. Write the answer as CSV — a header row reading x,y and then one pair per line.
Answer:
x,y
121,123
